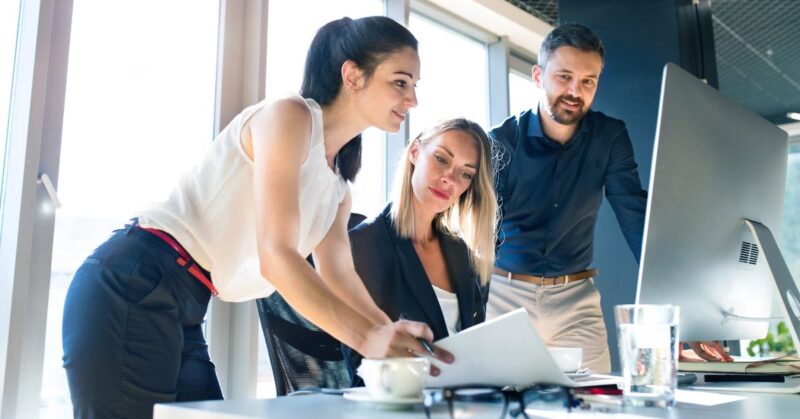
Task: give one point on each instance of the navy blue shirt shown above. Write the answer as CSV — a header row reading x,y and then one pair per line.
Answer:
x,y
550,194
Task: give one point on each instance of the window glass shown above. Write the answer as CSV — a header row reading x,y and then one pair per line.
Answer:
x,y
454,76
522,93
298,21
139,111
9,14
790,231
292,26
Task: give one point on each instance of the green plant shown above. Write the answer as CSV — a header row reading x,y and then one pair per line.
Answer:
x,y
779,343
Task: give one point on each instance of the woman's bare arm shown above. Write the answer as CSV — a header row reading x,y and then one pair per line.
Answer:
x,y
279,139
334,261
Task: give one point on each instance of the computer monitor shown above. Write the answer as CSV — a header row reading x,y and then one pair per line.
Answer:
x,y
715,165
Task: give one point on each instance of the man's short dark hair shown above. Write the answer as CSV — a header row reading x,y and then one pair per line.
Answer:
x,y
571,34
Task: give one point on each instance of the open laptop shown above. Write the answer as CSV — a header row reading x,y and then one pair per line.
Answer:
x,y
505,351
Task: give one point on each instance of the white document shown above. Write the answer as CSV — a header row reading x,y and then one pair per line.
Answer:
x,y
705,398
504,351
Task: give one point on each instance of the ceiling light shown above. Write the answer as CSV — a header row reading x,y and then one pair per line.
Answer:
x,y
793,115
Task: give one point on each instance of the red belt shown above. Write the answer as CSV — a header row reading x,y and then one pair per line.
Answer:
x,y
184,259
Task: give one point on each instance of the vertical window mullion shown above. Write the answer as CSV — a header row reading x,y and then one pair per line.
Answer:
x,y
232,331
497,59
400,11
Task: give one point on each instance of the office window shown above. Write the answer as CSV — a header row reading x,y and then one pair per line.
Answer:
x,y
790,231
790,237
292,26
139,110
522,93
453,76
9,13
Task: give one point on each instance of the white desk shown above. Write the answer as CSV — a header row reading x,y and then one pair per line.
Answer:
x,y
755,406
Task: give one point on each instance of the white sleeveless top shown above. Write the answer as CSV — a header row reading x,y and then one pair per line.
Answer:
x,y
212,211
448,302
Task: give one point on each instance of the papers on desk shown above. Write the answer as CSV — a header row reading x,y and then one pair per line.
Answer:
x,y
504,351
705,398
576,414
787,365
790,385
743,375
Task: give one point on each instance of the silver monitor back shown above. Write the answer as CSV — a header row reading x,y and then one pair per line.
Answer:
x,y
715,164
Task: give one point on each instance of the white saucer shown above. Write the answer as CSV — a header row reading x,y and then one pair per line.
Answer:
x,y
578,374
360,394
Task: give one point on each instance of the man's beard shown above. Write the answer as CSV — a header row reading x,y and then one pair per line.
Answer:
x,y
555,109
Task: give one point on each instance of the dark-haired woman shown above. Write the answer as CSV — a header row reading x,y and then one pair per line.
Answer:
x,y
272,189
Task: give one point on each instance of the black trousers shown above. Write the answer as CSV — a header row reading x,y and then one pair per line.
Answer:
x,y
132,331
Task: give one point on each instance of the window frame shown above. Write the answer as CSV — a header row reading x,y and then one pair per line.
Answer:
x,y
521,63
232,328
26,241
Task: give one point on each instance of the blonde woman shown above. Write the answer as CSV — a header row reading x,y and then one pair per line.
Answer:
x,y
428,256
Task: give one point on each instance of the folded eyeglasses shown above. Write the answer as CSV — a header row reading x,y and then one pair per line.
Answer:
x,y
482,401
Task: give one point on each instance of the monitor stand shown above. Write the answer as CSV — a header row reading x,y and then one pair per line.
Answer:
x,y
790,306
787,289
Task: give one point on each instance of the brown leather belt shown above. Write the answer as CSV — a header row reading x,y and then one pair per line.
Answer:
x,y
543,280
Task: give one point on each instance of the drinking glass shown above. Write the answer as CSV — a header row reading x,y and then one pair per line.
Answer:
x,y
648,351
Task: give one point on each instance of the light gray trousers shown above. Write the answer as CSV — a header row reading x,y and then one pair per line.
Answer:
x,y
564,315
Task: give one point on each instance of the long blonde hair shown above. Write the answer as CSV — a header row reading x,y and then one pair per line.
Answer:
x,y
473,218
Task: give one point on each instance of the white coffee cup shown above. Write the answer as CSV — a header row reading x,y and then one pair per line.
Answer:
x,y
567,359
394,378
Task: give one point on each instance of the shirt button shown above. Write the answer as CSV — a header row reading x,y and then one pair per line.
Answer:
x,y
555,205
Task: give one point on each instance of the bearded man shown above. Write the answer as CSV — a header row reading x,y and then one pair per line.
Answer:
x,y
554,163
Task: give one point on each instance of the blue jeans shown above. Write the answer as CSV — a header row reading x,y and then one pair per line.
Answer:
x,y
132,330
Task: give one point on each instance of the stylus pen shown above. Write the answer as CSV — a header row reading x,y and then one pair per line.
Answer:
x,y
428,347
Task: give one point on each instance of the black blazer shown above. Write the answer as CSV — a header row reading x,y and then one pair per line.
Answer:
x,y
396,279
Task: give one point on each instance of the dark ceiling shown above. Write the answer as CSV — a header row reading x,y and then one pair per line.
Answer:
x,y
757,46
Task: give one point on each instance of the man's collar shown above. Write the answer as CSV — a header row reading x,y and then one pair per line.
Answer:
x,y
535,125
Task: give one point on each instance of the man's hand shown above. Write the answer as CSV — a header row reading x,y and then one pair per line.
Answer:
x,y
706,350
